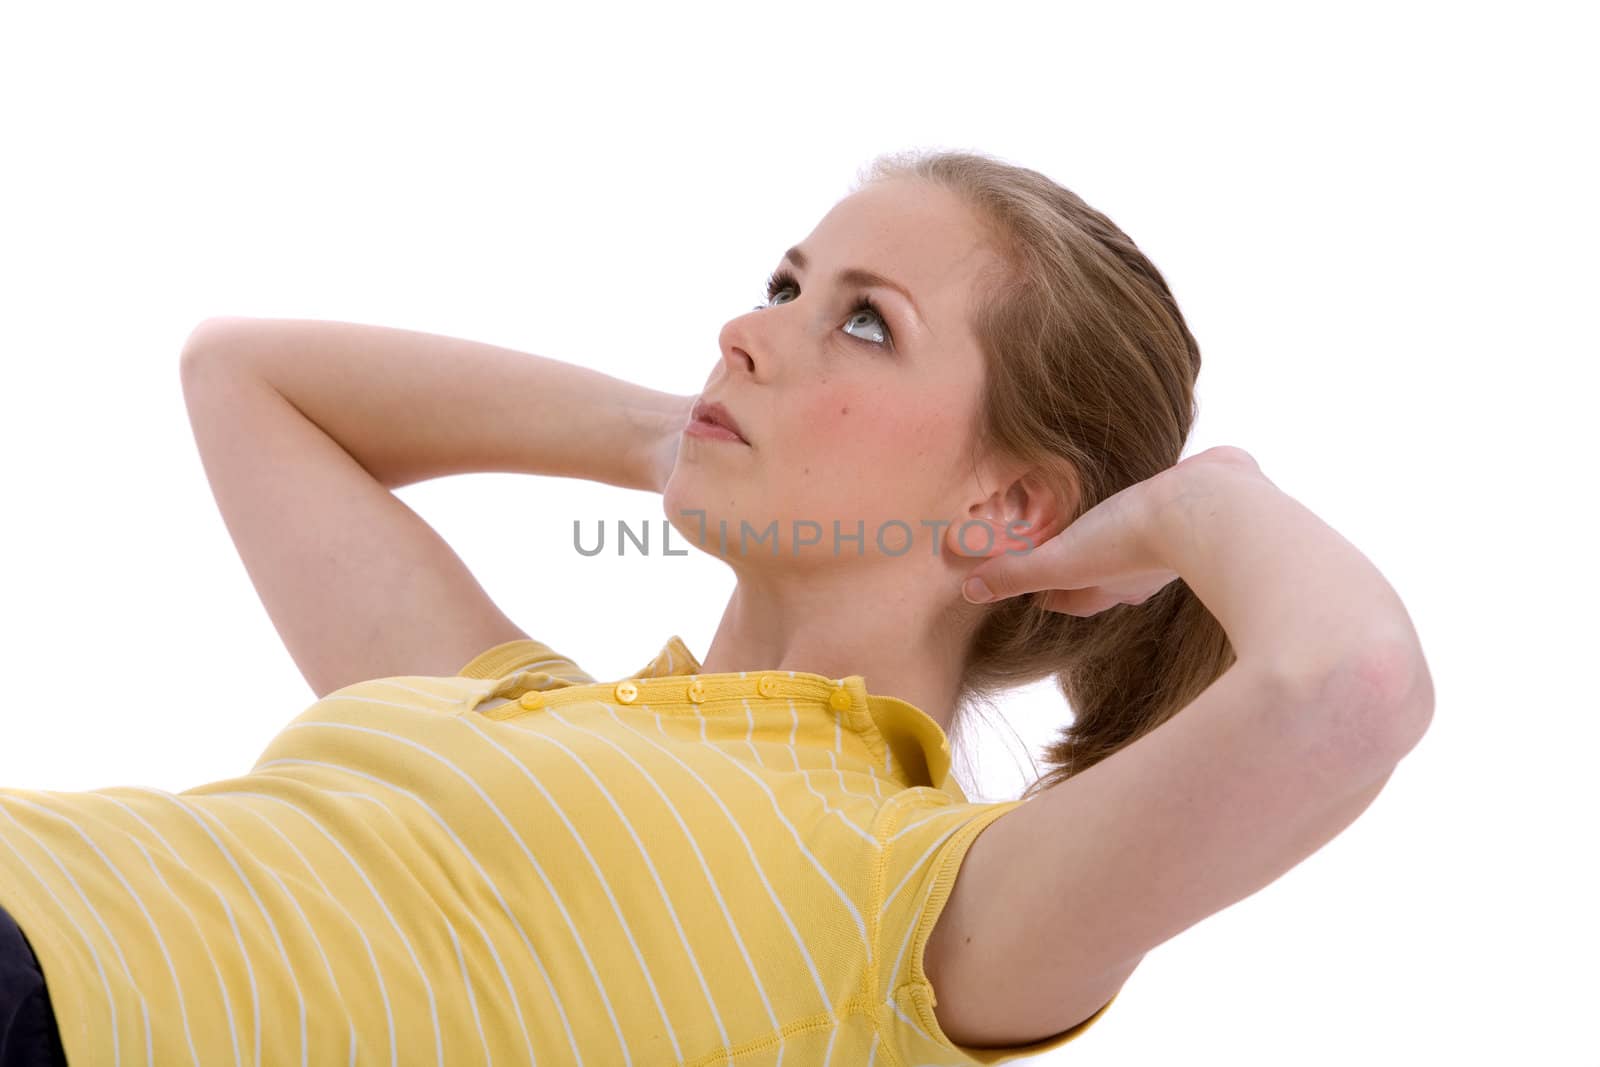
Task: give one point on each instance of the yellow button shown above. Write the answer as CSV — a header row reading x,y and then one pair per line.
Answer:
x,y
839,699
697,690
767,685
627,692
531,699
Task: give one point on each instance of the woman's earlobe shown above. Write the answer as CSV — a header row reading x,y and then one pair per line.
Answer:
x,y
981,537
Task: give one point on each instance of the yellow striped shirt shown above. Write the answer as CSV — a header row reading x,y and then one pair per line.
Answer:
x,y
517,864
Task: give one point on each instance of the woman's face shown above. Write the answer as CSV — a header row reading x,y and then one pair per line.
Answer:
x,y
851,416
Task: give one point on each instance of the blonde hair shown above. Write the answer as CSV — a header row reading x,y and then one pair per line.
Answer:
x,y
1090,375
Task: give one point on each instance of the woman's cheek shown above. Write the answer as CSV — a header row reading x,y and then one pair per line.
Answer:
x,y
859,434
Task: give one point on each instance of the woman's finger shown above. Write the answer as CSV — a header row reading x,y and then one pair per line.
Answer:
x,y
1046,566
1092,548
1108,546
1095,599
1080,602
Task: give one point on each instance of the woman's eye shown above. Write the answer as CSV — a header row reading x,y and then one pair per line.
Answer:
x,y
865,314
868,317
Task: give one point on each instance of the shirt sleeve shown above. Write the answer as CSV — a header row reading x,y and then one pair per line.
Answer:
x,y
923,835
524,654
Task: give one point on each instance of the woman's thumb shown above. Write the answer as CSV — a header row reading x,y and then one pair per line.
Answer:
x,y
1013,572
976,590
990,580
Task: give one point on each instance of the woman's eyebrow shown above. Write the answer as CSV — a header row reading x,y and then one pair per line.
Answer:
x,y
859,276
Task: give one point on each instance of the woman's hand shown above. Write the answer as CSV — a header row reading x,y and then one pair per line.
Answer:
x,y
1104,557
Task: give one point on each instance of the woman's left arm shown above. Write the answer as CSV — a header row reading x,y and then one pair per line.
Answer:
x,y
1299,603
1289,590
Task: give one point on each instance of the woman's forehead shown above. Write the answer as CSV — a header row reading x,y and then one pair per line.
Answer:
x,y
916,234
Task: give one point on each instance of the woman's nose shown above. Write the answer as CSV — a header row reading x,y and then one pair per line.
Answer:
x,y
738,342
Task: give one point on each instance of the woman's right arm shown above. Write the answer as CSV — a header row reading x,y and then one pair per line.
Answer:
x,y
305,426
410,406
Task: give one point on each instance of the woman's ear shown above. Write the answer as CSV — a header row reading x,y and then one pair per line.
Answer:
x,y
1017,518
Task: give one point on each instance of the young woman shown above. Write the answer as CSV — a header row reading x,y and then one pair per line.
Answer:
x,y
471,849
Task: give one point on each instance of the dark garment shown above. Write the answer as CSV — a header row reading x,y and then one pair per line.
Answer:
x,y
28,1033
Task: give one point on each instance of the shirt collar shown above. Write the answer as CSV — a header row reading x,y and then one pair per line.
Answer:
x,y
674,658
921,749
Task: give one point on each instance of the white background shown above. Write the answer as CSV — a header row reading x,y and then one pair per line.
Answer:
x,y
1378,219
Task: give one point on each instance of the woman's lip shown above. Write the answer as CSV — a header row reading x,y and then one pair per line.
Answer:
x,y
714,414
712,430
